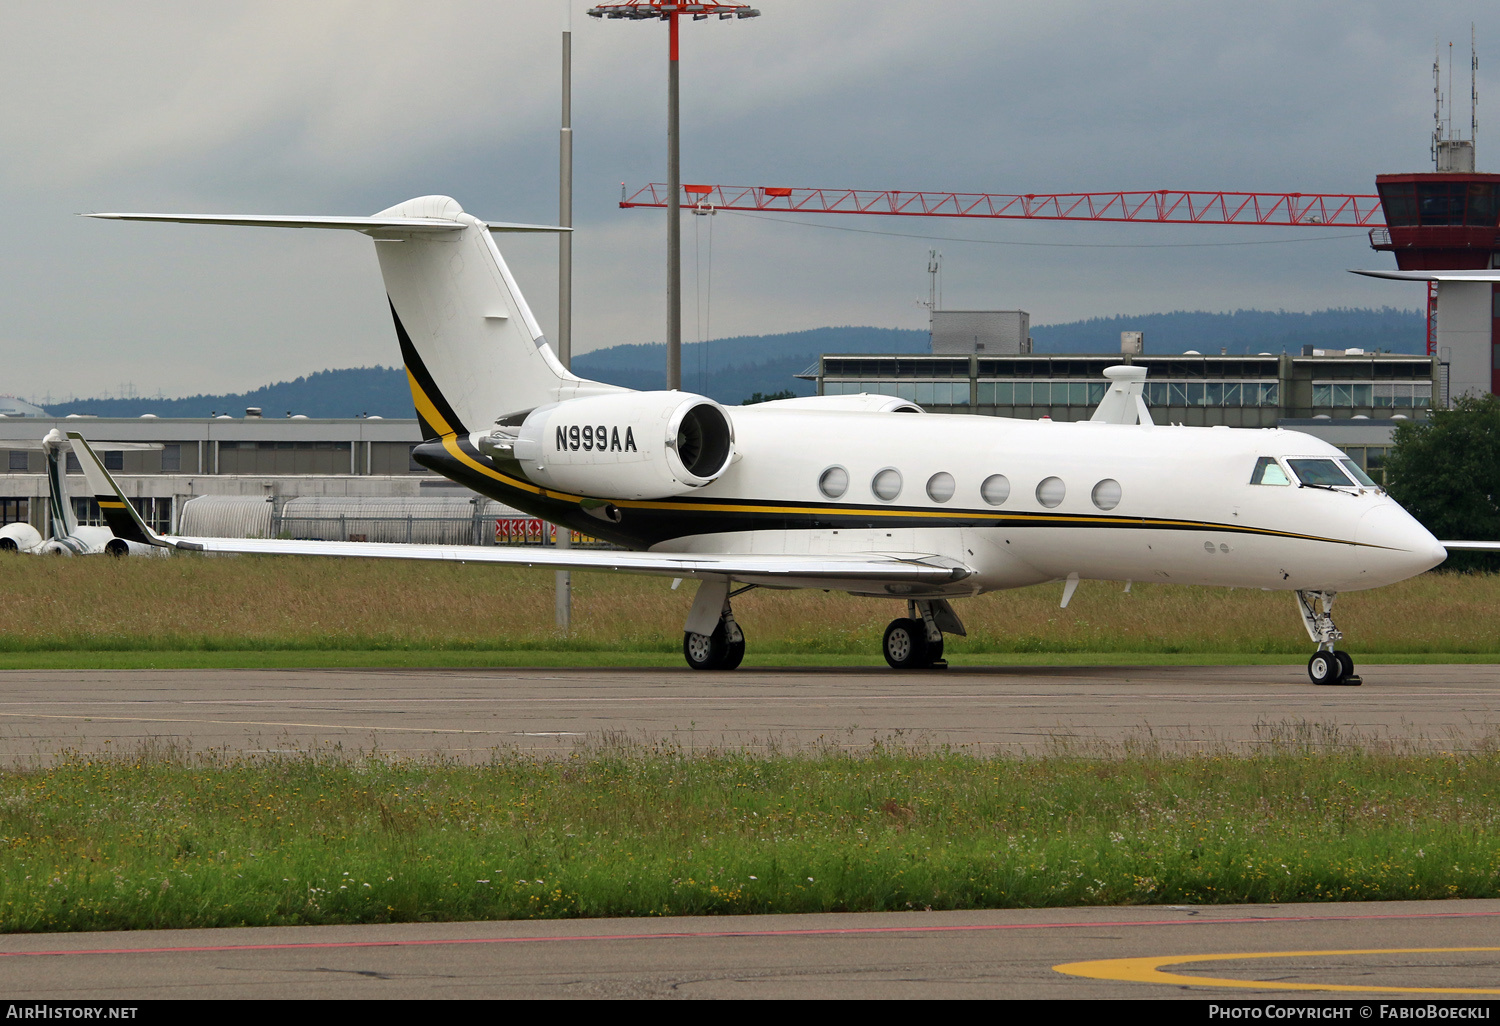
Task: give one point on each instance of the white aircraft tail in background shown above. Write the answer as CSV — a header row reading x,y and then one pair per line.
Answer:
x,y
68,537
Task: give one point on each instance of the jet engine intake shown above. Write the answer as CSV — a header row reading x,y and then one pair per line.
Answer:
x,y
19,538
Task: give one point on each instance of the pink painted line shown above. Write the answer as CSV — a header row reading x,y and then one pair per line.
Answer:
x,y
977,928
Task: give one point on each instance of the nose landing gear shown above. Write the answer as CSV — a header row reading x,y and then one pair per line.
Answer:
x,y
1328,665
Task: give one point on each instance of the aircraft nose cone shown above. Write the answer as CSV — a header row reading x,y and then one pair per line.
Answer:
x,y
1397,541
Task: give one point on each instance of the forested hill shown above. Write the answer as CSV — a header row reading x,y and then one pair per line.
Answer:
x,y
731,369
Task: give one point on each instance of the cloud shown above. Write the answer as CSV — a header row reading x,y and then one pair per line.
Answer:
x,y
348,107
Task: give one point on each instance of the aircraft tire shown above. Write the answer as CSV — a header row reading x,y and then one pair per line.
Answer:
x,y
1325,668
1346,664
734,653
706,651
905,645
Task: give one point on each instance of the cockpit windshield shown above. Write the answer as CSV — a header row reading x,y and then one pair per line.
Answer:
x,y
1357,472
1269,472
1320,472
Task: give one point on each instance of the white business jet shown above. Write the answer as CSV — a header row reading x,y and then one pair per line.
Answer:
x,y
69,537
858,493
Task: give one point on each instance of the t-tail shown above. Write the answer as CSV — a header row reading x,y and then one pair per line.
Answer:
x,y
64,521
474,353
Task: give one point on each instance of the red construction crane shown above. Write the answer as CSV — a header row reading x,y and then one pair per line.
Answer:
x,y
1161,206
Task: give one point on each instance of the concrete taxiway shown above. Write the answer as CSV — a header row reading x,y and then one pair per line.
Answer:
x,y
1360,955
469,714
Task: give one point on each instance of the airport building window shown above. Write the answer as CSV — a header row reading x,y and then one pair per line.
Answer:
x,y
1051,491
20,460
940,487
15,511
70,464
171,459
995,489
887,484
1268,472
834,482
1376,394
86,512
1106,494
114,459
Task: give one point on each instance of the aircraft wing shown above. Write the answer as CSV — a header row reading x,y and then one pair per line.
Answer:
x,y
916,568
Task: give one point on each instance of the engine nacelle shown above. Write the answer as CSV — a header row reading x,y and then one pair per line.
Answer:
x,y
633,445
121,547
19,538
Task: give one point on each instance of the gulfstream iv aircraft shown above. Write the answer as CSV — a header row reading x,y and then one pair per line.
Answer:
x,y
864,494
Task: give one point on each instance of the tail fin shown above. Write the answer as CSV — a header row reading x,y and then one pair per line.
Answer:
x,y
124,522
474,353
64,522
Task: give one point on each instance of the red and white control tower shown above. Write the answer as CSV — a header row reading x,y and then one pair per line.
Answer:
x,y
1444,228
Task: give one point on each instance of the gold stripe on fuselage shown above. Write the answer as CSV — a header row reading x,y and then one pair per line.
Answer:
x,y
450,443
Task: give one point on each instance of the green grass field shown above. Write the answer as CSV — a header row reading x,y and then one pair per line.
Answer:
x,y
157,840
188,611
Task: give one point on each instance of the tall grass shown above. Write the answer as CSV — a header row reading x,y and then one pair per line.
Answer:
x,y
197,603
157,840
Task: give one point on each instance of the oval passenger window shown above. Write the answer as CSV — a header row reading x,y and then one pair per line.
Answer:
x,y
887,484
940,487
995,490
1051,491
1107,493
834,482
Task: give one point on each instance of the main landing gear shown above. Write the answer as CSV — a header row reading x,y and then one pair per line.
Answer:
x,y
712,639
709,643
1328,665
915,641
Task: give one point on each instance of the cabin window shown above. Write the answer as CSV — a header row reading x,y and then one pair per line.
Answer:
x,y
1269,472
1051,491
834,482
1358,474
940,487
995,489
887,484
1319,472
1106,493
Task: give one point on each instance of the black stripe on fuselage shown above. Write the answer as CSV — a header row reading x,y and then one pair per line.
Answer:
x,y
643,524
423,379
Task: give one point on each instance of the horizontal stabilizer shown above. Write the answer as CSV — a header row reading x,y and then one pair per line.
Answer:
x,y
1482,275
359,224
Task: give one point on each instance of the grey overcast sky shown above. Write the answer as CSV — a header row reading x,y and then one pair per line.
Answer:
x,y
349,106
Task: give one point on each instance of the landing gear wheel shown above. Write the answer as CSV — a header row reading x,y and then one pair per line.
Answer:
x,y
905,645
734,652
1346,664
1325,668
707,651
